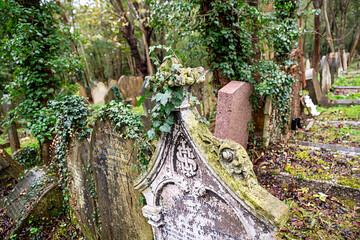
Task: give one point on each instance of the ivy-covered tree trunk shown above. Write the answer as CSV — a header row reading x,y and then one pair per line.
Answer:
x,y
317,29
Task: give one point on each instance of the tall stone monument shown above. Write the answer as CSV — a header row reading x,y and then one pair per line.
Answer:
x,y
200,187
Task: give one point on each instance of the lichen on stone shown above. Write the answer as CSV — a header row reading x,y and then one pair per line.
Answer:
x,y
176,75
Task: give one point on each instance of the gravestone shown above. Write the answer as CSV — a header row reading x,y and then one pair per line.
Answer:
x,y
344,60
9,168
112,83
200,187
82,90
12,131
234,112
103,197
332,67
98,93
313,85
130,88
36,196
82,187
325,76
308,64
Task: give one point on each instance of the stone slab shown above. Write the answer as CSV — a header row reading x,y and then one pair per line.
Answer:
x,y
346,89
313,85
36,196
9,168
345,102
130,87
339,123
234,112
328,146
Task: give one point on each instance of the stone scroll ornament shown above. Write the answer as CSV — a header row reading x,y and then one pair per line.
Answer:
x,y
201,187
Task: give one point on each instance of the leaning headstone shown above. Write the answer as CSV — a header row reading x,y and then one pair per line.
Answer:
x,y
325,76
82,90
332,67
234,112
130,88
308,64
112,83
9,168
200,187
344,60
36,196
82,187
113,162
313,85
98,93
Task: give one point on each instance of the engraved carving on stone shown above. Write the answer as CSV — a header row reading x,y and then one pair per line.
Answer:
x,y
185,159
235,160
154,215
181,183
199,189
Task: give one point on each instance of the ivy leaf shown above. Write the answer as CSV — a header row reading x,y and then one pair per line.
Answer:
x,y
151,134
165,128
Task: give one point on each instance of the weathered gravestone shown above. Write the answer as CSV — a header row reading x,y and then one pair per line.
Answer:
x,y
130,88
344,60
82,188
325,76
234,112
103,185
313,85
98,93
201,187
332,67
308,64
9,168
36,196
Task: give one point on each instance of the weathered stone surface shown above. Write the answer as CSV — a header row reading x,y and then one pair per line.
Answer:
x,y
345,102
332,67
307,64
346,90
234,112
201,187
325,76
82,187
36,195
112,160
82,90
112,82
313,85
99,93
9,168
130,88
344,60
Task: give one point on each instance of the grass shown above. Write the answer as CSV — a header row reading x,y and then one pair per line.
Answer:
x,y
339,113
29,141
350,95
347,80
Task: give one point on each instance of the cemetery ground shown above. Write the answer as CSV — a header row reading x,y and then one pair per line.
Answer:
x,y
317,211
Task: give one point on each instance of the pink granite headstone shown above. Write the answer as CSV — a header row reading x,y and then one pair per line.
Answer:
x,y
234,112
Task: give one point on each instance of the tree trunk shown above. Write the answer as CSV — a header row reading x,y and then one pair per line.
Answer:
x,y
328,28
45,151
317,28
352,52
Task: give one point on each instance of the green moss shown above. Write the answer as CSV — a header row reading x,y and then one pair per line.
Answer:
x,y
290,169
